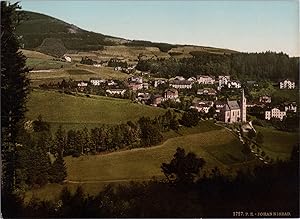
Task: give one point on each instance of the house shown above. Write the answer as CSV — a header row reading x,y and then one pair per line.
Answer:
x,y
219,105
234,84
275,113
82,84
135,86
171,94
145,86
287,84
156,100
68,58
180,78
97,81
201,106
118,68
265,99
207,91
136,79
181,84
192,79
233,111
112,83
159,81
223,80
116,91
205,79
143,97
97,65
290,107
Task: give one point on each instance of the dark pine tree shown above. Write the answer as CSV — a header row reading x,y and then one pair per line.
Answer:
x,y
14,89
59,170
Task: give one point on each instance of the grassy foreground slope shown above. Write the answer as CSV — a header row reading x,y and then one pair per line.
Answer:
x,y
144,163
207,140
277,144
79,111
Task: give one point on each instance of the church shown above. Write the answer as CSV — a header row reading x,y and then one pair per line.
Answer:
x,y
234,111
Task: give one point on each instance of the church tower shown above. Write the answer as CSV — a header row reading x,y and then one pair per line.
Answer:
x,y
243,107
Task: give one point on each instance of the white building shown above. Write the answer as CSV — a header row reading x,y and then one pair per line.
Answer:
x,y
159,81
192,79
207,91
136,79
116,91
97,65
222,81
181,84
118,68
287,84
180,78
82,84
68,58
111,83
274,113
205,79
234,84
202,106
97,81
290,107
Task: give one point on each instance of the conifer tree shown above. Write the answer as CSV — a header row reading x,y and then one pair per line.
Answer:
x,y
59,170
14,89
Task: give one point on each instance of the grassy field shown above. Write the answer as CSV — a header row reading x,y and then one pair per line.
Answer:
x,y
41,64
144,163
216,145
79,111
277,144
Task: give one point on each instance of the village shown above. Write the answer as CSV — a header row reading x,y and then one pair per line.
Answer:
x,y
219,97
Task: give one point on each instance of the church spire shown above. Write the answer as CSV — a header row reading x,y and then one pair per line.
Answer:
x,y
243,107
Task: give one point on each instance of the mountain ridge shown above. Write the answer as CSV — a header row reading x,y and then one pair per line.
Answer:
x,y
56,37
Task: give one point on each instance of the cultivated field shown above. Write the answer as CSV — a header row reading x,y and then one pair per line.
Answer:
x,y
49,73
79,111
277,144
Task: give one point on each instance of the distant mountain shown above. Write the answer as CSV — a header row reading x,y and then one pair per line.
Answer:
x,y
55,37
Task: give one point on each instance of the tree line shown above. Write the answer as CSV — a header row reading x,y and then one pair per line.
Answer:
x,y
268,66
143,133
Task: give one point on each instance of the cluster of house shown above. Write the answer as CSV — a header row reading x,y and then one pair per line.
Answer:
x,y
279,111
136,83
180,82
82,85
229,111
287,84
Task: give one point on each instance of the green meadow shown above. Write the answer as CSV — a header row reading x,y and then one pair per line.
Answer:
x,y
277,144
80,111
216,145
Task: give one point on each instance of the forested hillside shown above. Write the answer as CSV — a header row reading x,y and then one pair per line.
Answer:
x,y
244,66
41,32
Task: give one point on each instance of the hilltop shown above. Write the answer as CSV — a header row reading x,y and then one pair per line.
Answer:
x,y
55,37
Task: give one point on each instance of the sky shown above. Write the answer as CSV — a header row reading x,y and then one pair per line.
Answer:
x,y
246,26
